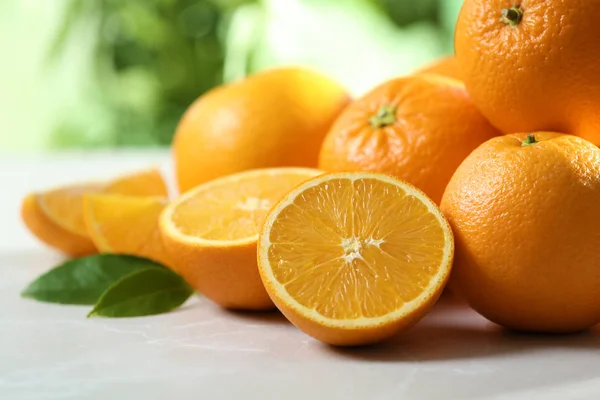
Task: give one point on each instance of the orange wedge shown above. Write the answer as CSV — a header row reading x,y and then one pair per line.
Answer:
x,y
50,233
126,225
211,233
354,258
65,205
62,208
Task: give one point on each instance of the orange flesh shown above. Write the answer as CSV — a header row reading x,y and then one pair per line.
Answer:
x,y
143,183
126,225
64,206
51,233
359,248
228,210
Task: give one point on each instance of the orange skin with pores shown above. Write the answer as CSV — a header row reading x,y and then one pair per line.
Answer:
x,y
533,66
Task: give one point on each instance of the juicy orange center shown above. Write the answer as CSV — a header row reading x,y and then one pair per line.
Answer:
x,y
355,248
234,209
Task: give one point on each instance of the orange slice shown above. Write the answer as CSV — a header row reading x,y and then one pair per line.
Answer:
x,y
354,258
50,233
126,225
64,205
211,233
57,215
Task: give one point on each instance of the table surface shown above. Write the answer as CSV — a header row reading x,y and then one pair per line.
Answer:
x,y
202,352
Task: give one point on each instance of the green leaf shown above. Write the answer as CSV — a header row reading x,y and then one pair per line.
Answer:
x,y
83,280
146,292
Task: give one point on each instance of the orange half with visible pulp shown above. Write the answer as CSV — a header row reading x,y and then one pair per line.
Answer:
x,y
353,258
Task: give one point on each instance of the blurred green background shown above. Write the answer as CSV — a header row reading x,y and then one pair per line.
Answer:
x,y
108,73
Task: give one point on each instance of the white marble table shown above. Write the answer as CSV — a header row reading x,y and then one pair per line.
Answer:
x,y
202,352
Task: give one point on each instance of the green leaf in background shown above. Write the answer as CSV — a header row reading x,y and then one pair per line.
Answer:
x,y
83,280
146,292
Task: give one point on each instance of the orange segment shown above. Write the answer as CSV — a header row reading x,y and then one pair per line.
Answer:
x,y
52,234
64,206
211,233
353,258
126,225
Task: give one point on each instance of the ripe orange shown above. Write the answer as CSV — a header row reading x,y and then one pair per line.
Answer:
x,y
353,258
210,233
275,118
59,212
525,217
533,65
416,128
126,225
445,66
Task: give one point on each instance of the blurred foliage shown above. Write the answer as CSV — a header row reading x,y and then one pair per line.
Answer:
x,y
152,58
406,12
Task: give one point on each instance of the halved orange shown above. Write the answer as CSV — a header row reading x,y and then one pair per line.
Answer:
x,y
62,208
354,258
126,225
211,233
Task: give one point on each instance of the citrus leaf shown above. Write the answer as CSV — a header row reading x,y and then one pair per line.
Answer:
x,y
83,280
146,292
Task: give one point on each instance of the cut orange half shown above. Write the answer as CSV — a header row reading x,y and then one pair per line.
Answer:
x,y
354,258
211,233
126,225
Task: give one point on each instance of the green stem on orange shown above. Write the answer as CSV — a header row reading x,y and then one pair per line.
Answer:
x,y
512,16
529,140
384,117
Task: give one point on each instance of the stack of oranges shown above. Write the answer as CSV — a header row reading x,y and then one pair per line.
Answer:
x,y
351,215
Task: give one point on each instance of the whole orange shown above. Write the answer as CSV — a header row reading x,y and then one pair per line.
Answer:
x,y
275,118
533,65
417,128
525,211
445,66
